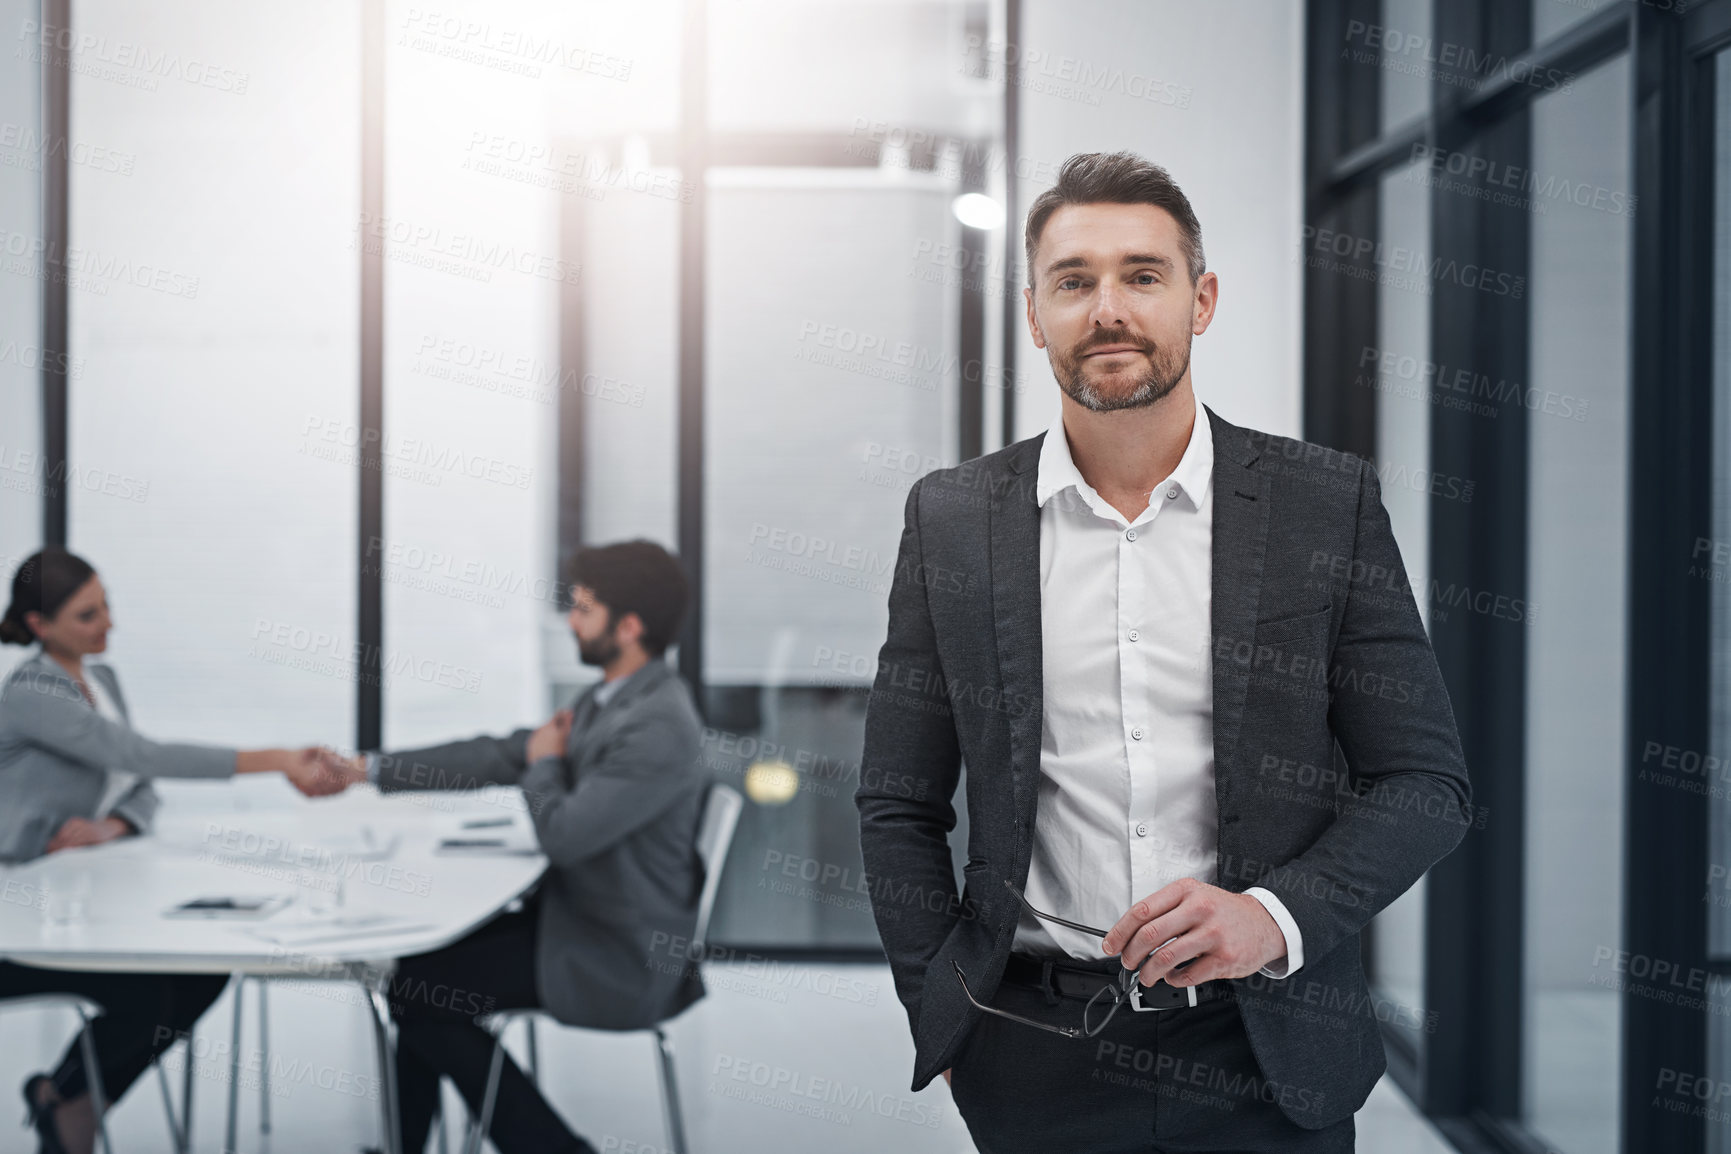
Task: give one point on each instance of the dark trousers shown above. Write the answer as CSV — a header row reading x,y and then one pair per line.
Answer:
x,y
142,1015
1178,1081
435,999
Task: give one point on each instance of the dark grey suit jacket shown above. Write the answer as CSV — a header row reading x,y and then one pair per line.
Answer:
x,y
1317,641
617,818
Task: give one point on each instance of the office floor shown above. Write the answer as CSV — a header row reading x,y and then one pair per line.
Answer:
x,y
831,1040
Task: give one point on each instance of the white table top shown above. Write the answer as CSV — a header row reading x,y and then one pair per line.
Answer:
x,y
381,852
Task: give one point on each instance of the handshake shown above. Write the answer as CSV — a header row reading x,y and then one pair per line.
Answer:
x,y
317,771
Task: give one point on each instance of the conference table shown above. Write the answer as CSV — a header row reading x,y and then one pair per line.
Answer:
x,y
333,889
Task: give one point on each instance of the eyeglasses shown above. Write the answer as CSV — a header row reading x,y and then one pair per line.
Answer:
x,y
1128,989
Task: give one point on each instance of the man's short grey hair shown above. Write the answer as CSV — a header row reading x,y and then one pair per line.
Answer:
x,y
1117,178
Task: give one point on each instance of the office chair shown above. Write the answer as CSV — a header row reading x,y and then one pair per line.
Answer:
x,y
721,811
87,1012
179,1125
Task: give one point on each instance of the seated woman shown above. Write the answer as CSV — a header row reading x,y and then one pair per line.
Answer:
x,y
73,773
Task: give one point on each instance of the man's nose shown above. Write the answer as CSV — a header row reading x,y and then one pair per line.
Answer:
x,y
1108,306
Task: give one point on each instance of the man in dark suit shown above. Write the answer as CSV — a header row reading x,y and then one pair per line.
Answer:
x,y
1146,631
614,789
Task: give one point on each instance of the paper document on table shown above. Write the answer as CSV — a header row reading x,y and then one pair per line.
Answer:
x,y
360,845
289,844
336,929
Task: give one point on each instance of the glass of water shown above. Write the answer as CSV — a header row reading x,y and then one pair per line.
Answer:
x,y
67,899
322,893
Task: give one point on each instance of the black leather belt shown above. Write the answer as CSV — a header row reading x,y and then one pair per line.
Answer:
x,y
1083,984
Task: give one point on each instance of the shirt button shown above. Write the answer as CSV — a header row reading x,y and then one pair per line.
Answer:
x,y
1141,829
1137,734
1130,534
1135,636
1172,492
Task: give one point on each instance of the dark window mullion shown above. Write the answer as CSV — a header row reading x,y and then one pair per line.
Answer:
x,y
56,96
1668,612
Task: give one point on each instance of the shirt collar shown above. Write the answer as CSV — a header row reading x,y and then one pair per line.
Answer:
x,y
1058,470
605,691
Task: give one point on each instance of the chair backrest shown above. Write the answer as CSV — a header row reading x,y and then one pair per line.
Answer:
x,y
714,835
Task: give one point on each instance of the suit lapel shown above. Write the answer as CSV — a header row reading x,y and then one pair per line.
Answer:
x,y
111,683
592,722
1240,543
1015,561
45,664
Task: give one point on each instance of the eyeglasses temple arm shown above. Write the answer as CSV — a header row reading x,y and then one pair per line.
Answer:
x,y
1078,926
1066,1031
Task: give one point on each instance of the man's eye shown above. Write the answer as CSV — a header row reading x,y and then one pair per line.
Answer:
x,y
1069,283
1146,278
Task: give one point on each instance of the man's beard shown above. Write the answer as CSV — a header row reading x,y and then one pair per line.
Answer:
x,y
1165,368
599,651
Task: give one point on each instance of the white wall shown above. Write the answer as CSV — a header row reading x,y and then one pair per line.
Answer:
x,y
216,322
21,474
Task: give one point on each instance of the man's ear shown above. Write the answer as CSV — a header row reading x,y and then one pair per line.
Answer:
x,y
1033,321
1207,300
630,627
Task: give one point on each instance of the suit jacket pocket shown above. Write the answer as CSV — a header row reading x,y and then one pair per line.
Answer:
x,y
1288,628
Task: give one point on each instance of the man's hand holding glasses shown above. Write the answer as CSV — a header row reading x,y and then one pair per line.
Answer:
x,y
1190,932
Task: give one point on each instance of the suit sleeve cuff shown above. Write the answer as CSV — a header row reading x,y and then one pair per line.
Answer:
x,y
543,776
133,817
1289,965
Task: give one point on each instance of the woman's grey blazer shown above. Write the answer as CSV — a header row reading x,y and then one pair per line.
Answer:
x,y
56,749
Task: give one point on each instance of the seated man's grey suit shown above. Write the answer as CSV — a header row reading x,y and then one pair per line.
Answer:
x,y
617,818
1317,644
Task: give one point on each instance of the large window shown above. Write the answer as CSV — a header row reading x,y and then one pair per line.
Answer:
x,y
843,335
1392,367
1710,568
1518,336
1578,434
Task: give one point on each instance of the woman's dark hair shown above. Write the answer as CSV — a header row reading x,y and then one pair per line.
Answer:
x,y
45,582
636,577
1116,178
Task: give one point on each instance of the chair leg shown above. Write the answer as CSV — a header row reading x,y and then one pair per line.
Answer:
x,y
440,1120
186,1089
386,1051
670,1093
264,1057
534,1051
234,1063
479,1127
176,1135
93,1076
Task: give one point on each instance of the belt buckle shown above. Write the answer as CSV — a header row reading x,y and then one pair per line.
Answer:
x,y
1136,999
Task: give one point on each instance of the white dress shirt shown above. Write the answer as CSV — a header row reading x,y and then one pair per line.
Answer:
x,y
1126,802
